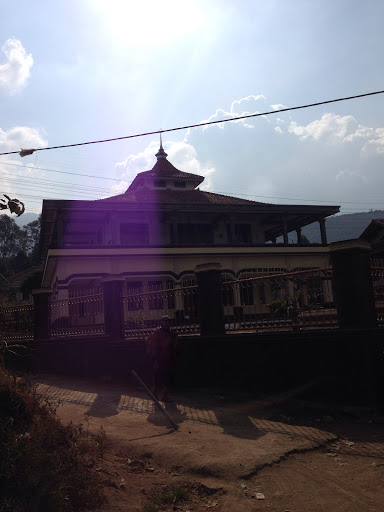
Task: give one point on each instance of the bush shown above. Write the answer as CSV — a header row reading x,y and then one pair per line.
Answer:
x,y
44,466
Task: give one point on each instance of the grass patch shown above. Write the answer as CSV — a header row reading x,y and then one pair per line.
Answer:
x,y
44,466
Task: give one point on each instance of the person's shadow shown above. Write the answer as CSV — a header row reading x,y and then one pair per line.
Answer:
x,y
156,417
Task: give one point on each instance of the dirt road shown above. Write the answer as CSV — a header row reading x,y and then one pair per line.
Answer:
x,y
231,452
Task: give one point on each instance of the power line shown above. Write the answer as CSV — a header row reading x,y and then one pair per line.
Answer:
x,y
298,199
367,203
58,186
101,190
125,181
61,172
206,123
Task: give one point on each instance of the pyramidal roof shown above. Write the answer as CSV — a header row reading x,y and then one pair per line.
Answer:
x,y
163,169
143,190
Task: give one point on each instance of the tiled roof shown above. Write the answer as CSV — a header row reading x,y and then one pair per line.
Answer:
x,y
164,169
375,226
173,196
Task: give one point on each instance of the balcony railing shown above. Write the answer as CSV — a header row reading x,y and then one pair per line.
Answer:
x,y
286,301
377,274
143,310
16,322
83,313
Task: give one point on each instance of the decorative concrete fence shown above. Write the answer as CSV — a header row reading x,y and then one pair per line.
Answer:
x,y
347,294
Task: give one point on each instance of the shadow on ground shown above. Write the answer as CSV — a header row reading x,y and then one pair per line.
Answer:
x,y
238,414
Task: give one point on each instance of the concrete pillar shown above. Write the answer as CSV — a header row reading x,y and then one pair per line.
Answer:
x,y
114,229
211,312
41,313
173,238
113,307
299,238
323,232
353,284
285,231
229,233
59,231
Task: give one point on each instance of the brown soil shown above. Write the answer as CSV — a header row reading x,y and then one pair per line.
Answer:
x,y
231,452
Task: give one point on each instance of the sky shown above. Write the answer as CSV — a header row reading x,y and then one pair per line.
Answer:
x,y
82,70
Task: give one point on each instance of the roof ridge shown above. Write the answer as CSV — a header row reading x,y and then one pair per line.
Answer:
x,y
232,197
183,196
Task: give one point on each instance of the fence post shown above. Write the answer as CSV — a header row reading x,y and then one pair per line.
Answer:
x,y
353,286
113,307
211,313
41,313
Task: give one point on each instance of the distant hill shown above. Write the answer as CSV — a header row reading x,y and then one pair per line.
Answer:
x,y
342,227
25,218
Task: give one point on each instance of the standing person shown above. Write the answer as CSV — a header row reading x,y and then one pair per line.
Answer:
x,y
162,348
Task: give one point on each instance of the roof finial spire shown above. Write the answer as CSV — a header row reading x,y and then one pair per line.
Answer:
x,y
161,153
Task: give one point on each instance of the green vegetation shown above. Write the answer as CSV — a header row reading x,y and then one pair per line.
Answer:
x,y
44,466
165,496
19,247
287,307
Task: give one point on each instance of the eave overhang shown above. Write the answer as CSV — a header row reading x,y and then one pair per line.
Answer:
x,y
272,216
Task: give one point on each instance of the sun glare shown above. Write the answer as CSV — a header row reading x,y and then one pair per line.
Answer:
x,y
146,23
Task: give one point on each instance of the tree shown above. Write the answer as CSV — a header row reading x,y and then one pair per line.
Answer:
x,y
10,238
31,238
19,247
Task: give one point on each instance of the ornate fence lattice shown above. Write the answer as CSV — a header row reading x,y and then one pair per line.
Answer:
x,y
377,274
81,313
16,322
282,301
143,309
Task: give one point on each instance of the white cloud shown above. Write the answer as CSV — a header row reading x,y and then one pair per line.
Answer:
x,y
252,104
184,157
140,162
217,116
334,129
362,132
375,142
247,101
279,106
331,128
21,137
346,174
15,72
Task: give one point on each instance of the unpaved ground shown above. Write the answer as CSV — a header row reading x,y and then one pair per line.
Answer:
x,y
230,450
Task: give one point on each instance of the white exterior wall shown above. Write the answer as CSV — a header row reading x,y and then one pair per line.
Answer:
x,y
90,263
